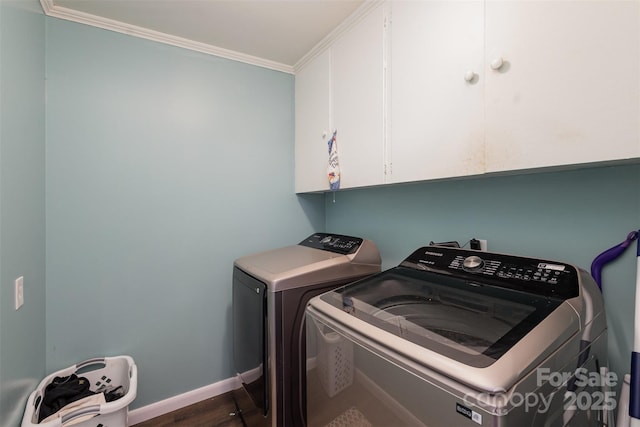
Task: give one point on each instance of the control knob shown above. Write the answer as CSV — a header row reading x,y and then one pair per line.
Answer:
x,y
473,263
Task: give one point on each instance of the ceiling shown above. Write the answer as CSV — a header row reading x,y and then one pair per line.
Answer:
x,y
272,33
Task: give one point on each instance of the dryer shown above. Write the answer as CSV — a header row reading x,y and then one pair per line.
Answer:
x,y
270,293
460,337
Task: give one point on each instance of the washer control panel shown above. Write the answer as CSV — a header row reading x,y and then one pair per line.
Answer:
x,y
337,243
543,277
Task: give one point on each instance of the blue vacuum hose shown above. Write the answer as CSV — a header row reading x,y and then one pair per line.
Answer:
x,y
609,255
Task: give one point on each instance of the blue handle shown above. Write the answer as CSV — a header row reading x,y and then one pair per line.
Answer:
x,y
609,255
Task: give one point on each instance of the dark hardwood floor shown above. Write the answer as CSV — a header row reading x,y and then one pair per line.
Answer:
x,y
217,411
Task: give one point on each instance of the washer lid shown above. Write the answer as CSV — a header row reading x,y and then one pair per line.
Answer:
x,y
462,320
282,262
321,258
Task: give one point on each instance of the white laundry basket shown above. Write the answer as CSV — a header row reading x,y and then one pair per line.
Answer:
x,y
334,360
102,373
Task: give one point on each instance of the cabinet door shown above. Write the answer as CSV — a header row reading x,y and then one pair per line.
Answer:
x,y
436,115
568,89
357,89
312,108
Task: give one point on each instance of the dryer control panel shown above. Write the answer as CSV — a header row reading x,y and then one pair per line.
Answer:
x,y
337,243
541,277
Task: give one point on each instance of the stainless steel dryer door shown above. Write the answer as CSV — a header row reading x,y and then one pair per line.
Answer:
x,y
249,336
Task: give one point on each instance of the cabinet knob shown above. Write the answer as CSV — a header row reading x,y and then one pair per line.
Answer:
x,y
497,64
469,76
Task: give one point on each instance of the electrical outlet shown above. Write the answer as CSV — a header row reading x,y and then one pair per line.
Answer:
x,y
19,292
478,244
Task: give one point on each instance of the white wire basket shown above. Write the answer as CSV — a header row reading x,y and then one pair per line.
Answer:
x,y
334,360
102,373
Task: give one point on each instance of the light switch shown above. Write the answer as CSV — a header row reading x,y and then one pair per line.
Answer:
x,y
19,291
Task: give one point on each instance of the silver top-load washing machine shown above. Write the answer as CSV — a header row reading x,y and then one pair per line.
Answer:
x,y
455,337
270,293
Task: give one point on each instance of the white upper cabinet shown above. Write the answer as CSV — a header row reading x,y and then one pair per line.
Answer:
x,y
436,91
342,90
357,101
313,125
431,89
567,91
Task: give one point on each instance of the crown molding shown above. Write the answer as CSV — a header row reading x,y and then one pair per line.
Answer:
x,y
334,35
50,9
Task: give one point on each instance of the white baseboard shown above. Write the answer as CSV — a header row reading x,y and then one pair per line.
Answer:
x,y
162,407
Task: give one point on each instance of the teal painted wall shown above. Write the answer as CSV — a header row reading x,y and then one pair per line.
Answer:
x,y
163,166
570,216
22,196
